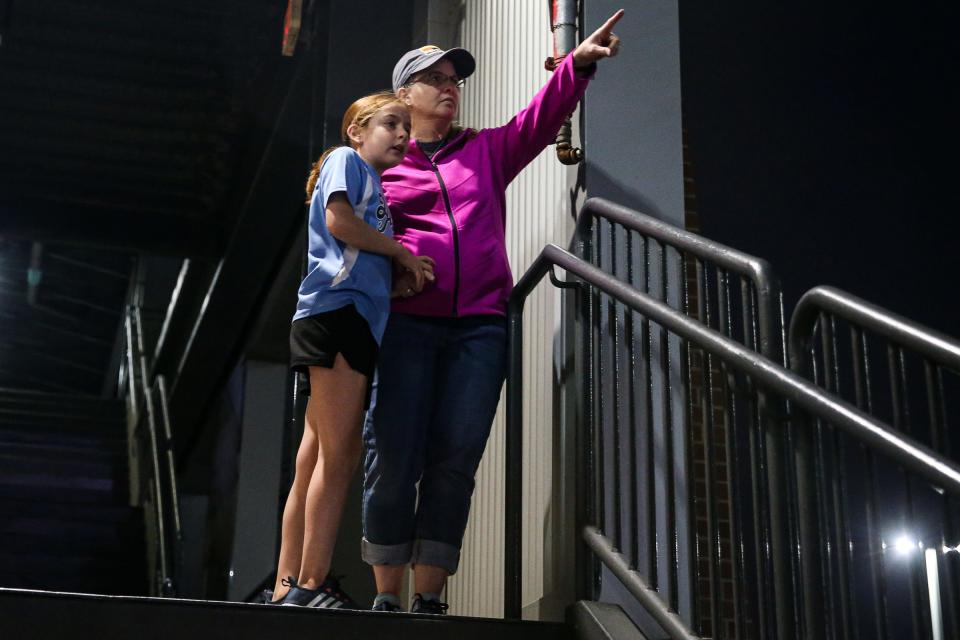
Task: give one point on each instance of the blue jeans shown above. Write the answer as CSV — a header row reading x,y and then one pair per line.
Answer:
x,y
434,397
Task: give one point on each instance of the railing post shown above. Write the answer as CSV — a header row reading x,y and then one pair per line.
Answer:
x,y
513,467
808,515
585,577
176,544
513,481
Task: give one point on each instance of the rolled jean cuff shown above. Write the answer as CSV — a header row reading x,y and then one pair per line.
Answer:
x,y
438,554
373,553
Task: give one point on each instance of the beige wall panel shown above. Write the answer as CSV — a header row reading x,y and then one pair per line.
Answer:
x,y
510,40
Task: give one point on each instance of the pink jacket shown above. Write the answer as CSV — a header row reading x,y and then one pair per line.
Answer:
x,y
454,208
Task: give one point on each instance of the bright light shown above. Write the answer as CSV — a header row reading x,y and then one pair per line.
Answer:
x,y
904,545
947,549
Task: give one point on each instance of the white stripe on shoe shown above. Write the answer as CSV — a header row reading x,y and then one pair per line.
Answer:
x,y
321,599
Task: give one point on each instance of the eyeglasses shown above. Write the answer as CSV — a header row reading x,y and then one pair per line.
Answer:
x,y
437,79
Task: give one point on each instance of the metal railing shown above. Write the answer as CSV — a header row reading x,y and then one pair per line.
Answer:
x,y
153,459
901,372
736,294
760,323
753,377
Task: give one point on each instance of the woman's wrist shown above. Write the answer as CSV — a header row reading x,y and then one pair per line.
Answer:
x,y
585,69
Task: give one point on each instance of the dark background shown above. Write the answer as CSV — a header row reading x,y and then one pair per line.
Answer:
x,y
821,140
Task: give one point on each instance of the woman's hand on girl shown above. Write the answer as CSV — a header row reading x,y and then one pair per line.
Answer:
x,y
602,43
403,285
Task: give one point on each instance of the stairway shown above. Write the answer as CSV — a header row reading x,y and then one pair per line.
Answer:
x,y
65,522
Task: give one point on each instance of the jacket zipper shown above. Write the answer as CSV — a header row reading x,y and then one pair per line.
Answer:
x,y
456,236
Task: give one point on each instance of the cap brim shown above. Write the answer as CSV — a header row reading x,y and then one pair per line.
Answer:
x,y
462,60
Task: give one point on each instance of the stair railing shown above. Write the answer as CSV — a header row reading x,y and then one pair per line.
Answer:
x,y
895,369
738,295
153,457
756,377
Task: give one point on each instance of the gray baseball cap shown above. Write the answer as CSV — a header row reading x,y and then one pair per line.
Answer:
x,y
421,58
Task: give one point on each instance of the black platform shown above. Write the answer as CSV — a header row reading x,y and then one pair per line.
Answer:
x,y
46,615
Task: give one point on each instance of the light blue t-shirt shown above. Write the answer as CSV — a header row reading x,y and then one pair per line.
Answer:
x,y
337,273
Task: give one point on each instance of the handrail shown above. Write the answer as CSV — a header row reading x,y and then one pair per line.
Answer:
x,y
139,384
646,596
177,532
791,386
756,269
761,321
936,346
819,307
152,437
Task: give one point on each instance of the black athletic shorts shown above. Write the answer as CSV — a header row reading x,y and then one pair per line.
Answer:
x,y
316,340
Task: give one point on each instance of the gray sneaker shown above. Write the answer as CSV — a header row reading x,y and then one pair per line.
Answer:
x,y
434,607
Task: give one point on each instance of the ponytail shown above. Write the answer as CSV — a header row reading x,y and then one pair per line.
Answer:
x,y
315,170
358,113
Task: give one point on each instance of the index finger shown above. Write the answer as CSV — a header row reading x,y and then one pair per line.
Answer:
x,y
611,21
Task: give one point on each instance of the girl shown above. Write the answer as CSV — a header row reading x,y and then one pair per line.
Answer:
x,y
342,311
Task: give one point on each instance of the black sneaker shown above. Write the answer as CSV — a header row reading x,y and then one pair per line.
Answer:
x,y
289,581
327,596
435,607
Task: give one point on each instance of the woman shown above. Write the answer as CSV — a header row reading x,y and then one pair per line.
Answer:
x,y
444,350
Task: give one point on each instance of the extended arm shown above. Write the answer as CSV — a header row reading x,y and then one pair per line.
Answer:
x,y
536,125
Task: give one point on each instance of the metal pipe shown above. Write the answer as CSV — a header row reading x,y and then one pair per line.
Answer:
x,y
564,27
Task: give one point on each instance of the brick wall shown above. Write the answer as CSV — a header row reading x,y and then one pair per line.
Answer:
x,y
698,444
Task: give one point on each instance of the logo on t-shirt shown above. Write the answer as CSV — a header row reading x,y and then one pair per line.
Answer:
x,y
383,215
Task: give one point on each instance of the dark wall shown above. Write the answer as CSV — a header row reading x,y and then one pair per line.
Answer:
x,y
633,148
632,125
366,39
819,141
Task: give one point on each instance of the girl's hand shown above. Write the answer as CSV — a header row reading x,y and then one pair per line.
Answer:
x,y
419,267
602,43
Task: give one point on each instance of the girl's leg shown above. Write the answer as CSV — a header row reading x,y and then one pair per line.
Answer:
x,y
334,415
291,533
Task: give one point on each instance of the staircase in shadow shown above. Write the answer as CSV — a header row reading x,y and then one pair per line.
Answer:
x,y
65,519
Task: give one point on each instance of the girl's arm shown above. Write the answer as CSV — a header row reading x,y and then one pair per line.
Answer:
x,y
346,227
